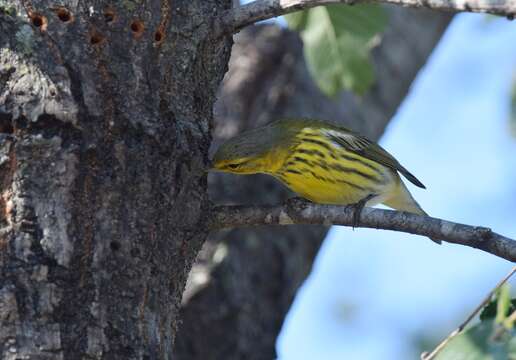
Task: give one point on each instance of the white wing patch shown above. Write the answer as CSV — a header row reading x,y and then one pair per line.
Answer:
x,y
350,140
339,139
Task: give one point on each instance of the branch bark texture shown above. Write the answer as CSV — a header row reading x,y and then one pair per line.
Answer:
x,y
237,18
302,212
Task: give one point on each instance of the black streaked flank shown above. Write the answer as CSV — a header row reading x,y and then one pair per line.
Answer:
x,y
293,171
365,189
321,178
321,143
323,165
302,160
377,169
348,170
311,152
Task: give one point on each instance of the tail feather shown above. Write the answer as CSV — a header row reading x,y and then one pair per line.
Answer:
x,y
402,200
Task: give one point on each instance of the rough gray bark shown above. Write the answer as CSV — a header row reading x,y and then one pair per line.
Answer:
x,y
245,279
104,120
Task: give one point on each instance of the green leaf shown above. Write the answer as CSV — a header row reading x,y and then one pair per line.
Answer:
x,y
484,341
494,338
297,20
503,304
337,42
491,309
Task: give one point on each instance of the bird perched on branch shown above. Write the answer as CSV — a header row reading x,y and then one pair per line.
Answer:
x,y
323,163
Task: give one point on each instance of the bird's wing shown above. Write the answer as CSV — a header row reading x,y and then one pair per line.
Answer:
x,y
361,146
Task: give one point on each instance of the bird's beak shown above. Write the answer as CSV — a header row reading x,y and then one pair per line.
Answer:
x,y
209,166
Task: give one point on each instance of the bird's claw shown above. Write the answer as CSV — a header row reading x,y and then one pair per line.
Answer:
x,y
358,207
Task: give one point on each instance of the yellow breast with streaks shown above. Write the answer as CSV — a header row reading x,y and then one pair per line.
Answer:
x,y
326,173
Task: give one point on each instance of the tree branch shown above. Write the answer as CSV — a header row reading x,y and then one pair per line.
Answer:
x,y
297,211
236,18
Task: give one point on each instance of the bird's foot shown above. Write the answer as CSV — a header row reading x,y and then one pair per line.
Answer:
x,y
358,207
296,201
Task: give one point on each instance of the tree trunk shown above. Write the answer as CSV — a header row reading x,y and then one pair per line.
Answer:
x,y
104,113
244,282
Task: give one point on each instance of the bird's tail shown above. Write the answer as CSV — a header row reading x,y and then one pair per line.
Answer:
x,y
402,200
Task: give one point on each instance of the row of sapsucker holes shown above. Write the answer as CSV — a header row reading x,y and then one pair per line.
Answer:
x,y
137,27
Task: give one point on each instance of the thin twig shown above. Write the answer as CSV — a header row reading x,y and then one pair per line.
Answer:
x,y
303,212
236,18
461,327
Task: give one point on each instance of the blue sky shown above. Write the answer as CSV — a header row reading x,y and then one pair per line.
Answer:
x,y
370,289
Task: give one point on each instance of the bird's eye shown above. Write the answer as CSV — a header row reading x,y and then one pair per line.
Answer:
x,y
233,166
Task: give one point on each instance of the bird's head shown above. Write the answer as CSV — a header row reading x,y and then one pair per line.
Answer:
x,y
255,151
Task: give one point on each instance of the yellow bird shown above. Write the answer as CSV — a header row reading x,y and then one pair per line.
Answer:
x,y
323,163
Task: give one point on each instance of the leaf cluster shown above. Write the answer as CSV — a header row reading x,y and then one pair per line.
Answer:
x,y
337,43
492,338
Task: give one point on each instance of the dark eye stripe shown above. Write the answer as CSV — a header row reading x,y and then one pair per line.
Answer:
x,y
236,165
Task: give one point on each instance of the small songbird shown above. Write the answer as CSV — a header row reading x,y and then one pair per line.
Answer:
x,y
323,163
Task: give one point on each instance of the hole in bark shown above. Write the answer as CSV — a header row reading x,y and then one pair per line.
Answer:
x,y
135,252
137,28
6,123
159,35
109,15
114,245
6,128
96,38
38,21
64,15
